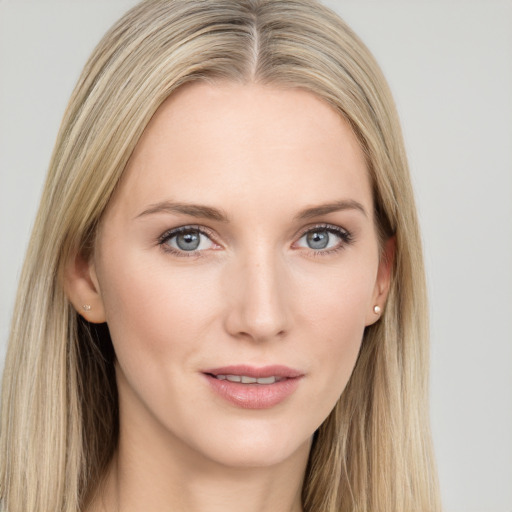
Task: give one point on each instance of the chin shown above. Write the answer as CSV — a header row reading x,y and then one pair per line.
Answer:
x,y
256,446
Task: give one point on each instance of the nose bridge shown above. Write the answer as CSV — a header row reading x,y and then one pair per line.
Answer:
x,y
258,289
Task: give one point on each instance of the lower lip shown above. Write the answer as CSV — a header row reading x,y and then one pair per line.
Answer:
x,y
254,396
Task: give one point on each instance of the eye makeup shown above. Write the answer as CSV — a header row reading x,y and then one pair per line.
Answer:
x,y
319,239
187,241
194,240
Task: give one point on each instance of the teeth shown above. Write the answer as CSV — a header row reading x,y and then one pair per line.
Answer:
x,y
267,380
244,379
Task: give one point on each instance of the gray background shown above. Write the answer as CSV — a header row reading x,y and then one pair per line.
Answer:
x,y
449,64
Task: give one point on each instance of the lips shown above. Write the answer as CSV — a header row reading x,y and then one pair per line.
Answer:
x,y
249,387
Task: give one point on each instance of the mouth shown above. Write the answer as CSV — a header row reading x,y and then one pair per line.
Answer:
x,y
245,379
248,387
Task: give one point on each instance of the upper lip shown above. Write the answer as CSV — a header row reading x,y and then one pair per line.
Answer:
x,y
256,372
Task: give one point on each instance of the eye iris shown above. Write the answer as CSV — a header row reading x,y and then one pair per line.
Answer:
x,y
188,241
317,239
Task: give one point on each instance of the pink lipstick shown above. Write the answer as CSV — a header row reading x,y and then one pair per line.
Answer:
x,y
249,387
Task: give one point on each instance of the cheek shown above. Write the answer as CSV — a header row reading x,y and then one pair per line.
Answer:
x,y
336,300
154,310
334,317
340,330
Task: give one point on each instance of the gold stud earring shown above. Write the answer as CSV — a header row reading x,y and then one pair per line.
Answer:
x,y
376,310
86,307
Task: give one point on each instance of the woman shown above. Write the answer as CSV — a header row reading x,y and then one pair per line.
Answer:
x,y
223,303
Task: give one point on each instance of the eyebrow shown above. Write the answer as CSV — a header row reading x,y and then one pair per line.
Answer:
x,y
336,206
209,212
194,210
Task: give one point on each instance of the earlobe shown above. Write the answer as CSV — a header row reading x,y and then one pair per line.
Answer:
x,y
82,289
383,281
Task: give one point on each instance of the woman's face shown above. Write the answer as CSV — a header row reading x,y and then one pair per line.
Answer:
x,y
240,243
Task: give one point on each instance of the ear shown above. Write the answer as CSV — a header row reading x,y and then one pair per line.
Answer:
x,y
82,288
383,281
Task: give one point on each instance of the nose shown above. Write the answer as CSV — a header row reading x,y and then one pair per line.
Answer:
x,y
258,298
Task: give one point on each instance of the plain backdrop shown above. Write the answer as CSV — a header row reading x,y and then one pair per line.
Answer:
x,y
449,64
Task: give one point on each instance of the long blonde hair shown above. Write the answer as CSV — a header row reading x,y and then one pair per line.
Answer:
x,y
59,422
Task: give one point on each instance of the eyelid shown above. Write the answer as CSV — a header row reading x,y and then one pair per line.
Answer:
x,y
322,225
186,227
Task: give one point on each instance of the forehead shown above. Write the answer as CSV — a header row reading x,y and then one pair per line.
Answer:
x,y
215,142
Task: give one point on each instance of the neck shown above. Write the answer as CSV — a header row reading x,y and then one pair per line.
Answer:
x,y
152,483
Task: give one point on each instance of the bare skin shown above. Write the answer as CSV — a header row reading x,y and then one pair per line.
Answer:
x,y
242,233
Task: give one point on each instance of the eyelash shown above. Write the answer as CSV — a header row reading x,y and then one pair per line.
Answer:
x,y
346,238
171,233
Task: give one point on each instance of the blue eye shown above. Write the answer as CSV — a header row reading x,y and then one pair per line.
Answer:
x,y
192,240
186,240
324,238
318,239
